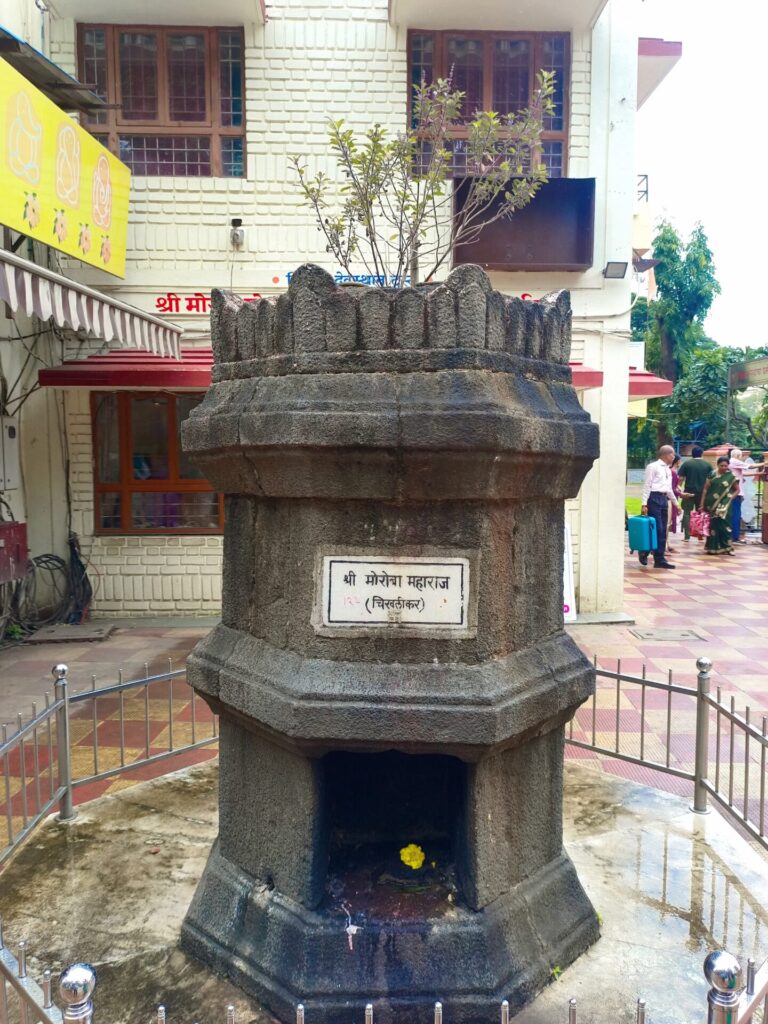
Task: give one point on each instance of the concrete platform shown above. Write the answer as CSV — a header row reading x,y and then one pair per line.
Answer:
x,y
113,888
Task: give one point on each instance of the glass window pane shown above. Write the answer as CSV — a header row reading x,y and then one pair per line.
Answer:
x,y
94,67
465,56
232,158
511,69
149,437
168,510
422,59
186,77
184,155
109,511
107,435
552,158
231,78
184,406
554,59
138,76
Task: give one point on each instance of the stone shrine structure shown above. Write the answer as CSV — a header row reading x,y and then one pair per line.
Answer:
x,y
391,670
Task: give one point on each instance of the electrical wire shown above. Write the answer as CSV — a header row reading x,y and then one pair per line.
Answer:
x,y
52,590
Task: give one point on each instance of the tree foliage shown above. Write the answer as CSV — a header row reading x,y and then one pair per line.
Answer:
x,y
686,287
672,328
700,396
699,404
392,205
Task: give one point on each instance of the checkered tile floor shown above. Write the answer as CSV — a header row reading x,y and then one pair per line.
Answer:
x,y
725,600
115,733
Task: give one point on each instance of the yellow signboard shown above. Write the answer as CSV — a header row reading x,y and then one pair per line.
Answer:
x,y
58,185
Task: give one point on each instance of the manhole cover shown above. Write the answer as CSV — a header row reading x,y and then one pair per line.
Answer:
x,y
64,633
666,634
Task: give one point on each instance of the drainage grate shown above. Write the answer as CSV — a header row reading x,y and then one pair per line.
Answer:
x,y
666,634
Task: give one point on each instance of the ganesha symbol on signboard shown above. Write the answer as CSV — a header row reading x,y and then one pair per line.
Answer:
x,y
25,138
102,193
68,165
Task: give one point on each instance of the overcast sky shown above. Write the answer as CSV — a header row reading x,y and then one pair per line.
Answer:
x,y
703,140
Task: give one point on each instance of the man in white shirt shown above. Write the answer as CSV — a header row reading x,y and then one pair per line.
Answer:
x,y
737,467
657,492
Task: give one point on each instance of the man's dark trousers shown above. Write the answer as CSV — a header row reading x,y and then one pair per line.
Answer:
x,y
738,501
657,508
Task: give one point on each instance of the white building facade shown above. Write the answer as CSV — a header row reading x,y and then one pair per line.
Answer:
x,y
206,104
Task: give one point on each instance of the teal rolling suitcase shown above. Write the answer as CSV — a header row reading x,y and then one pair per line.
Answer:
x,y
642,533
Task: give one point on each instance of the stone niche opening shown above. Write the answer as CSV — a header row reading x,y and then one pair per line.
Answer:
x,y
381,803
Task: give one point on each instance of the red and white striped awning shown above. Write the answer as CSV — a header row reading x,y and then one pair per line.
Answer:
x,y
41,291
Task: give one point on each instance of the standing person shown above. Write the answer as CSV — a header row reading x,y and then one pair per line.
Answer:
x,y
657,491
737,466
674,508
749,490
718,500
693,474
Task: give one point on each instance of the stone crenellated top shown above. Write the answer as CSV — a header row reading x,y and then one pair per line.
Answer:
x,y
320,326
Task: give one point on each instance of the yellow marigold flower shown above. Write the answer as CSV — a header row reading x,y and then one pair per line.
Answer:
x,y
412,855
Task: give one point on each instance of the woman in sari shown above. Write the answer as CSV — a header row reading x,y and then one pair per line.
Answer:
x,y
719,492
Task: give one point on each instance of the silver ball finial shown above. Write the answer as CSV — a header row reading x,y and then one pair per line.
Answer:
x,y
60,671
723,971
704,664
76,985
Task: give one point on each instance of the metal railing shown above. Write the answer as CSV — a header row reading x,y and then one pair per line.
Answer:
x,y
48,772
43,763
730,1000
88,736
148,706
729,760
35,1002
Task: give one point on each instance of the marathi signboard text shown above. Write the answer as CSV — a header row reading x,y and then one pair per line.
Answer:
x,y
401,592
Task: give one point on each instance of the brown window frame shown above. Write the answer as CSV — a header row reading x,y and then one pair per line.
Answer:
x,y
127,485
535,40
211,127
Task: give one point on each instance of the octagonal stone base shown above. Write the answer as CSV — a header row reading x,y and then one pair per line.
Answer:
x,y
283,954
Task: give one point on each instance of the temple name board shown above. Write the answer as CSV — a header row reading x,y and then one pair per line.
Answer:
x,y
412,593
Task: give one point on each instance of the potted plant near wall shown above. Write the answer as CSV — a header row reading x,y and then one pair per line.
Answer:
x,y
391,210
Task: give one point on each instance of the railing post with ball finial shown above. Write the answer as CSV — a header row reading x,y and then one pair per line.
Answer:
x,y
76,986
701,769
723,972
66,808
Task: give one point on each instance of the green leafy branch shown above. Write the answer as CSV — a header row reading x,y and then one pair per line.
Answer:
x,y
392,206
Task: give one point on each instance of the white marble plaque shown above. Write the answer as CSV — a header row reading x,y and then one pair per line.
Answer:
x,y
429,594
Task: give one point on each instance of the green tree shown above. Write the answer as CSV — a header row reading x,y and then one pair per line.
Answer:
x,y
671,325
686,287
700,397
700,394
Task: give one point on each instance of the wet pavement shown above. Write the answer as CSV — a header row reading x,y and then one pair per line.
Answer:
x,y
113,887
25,669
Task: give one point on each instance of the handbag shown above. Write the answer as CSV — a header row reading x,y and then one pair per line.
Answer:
x,y
699,523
